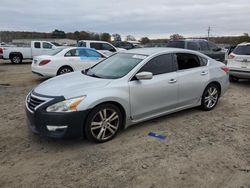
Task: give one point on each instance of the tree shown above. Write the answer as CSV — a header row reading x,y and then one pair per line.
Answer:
x,y
145,40
176,37
58,34
105,37
117,37
130,38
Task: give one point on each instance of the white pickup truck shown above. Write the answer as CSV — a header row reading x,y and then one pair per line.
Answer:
x,y
36,48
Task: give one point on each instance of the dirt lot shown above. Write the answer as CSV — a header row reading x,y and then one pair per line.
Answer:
x,y
202,149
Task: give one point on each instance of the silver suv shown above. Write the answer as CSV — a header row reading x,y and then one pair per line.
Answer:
x,y
124,89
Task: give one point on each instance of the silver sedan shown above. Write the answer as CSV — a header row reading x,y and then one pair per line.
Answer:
x,y
125,89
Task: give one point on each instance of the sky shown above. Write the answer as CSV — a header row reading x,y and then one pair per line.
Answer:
x,y
150,18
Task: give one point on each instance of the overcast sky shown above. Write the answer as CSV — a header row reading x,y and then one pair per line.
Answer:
x,y
152,18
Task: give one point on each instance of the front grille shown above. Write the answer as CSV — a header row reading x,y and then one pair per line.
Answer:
x,y
34,101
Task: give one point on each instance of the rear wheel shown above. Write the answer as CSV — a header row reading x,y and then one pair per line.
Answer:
x,y
64,70
16,59
103,123
233,79
210,97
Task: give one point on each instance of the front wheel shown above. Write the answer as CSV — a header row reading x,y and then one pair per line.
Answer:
x,y
103,123
210,97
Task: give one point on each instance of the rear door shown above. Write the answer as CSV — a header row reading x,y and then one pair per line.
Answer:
x,y
192,77
151,97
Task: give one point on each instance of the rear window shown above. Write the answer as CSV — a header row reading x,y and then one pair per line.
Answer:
x,y
242,50
176,44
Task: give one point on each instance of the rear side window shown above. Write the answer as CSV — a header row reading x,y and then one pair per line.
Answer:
x,y
192,46
159,65
176,44
204,46
72,53
187,61
37,45
242,50
95,45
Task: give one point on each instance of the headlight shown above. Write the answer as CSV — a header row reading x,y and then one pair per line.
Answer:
x,y
69,105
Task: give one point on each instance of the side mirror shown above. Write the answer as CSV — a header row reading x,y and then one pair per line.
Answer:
x,y
144,76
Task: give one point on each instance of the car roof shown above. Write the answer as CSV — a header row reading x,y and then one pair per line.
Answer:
x,y
151,51
244,44
99,41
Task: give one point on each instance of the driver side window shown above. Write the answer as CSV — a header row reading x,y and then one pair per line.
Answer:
x,y
47,45
159,65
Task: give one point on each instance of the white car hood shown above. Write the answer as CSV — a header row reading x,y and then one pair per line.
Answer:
x,y
70,85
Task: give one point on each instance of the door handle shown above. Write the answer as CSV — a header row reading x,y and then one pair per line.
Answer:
x,y
171,81
203,73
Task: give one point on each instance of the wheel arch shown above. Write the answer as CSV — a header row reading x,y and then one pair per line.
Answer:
x,y
15,53
63,67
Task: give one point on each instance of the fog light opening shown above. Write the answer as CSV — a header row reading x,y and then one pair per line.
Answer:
x,y
56,128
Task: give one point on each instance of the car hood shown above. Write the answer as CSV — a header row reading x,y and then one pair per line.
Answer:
x,y
70,85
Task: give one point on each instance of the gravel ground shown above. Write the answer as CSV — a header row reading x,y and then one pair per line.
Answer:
x,y
202,149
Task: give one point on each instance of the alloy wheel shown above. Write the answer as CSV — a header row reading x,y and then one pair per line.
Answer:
x,y
105,124
211,97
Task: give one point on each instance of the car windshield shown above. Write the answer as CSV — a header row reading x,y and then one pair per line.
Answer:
x,y
116,66
242,50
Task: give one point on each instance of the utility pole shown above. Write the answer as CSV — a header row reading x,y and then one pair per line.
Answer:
x,y
208,33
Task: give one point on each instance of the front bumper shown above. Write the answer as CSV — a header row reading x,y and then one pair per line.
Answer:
x,y
56,125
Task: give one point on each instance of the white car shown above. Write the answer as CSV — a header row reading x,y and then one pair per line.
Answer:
x,y
239,62
101,46
66,60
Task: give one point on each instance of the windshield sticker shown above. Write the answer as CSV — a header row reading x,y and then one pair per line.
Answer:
x,y
139,56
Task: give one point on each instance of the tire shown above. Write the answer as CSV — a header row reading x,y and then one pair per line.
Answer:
x,y
210,97
233,79
64,70
16,59
100,127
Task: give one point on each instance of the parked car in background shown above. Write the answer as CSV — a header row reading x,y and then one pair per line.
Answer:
x,y
124,89
101,46
1,52
239,62
17,54
206,47
123,44
65,61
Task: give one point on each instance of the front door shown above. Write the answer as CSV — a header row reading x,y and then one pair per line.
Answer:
x,y
158,95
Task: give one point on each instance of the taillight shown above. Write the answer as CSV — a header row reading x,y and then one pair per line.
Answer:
x,y
231,56
1,50
44,62
226,69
